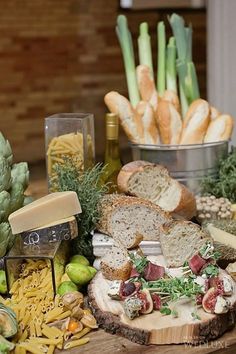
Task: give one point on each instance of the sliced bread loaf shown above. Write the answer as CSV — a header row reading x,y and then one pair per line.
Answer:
x,y
181,240
116,264
153,182
129,220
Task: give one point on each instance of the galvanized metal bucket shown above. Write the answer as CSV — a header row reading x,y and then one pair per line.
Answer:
x,y
189,164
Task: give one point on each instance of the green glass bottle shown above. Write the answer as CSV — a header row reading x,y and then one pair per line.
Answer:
x,y
112,161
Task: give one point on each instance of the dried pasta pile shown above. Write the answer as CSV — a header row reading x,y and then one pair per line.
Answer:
x,y
69,145
36,309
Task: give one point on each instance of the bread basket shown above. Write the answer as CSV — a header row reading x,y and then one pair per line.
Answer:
x,y
189,164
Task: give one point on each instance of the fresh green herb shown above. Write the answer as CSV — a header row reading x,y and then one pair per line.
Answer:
x,y
174,313
165,310
139,262
86,185
211,271
195,316
224,185
174,288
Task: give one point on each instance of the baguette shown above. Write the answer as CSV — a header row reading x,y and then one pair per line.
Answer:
x,y
146,86
169,123
129,220
172,97
196,122
219,129
153,182
150,131
130,121
180,241
214,113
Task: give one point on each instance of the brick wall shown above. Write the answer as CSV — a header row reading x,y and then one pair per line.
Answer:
x,y
63,56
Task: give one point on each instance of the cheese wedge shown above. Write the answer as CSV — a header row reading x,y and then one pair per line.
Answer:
x,y
54,206
222,236
64,229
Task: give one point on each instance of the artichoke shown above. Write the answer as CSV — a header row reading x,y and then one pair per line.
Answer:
x,y
5,200
20,174
5,345
5,149
16,196
5,174
8,322
5,237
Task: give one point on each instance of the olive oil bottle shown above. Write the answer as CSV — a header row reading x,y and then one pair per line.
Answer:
x,y
112,162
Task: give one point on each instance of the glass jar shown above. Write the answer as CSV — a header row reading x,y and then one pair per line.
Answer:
x,y
68,136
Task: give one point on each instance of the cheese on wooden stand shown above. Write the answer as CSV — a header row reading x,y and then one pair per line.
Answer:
x,y
221,236
54,206
60,230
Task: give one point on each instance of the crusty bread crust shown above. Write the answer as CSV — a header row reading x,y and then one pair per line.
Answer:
x,y
187,204
111,273
129,119
214,113
169,122
150,131
196,122
127,171
219,129
171,97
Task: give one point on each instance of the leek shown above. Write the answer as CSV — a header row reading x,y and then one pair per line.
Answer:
x,y
161,34
125,40
144,46
188,83
171,82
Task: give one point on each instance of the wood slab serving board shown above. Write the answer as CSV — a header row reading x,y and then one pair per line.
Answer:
x,y
155,328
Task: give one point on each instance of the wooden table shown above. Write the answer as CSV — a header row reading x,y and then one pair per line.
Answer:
x,y
105,343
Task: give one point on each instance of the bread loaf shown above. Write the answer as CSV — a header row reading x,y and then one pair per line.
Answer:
x,y
219,129
153,182
172,97
146,86
129,220
129,119
214,113
196,122
180,241
150,131
169,123
116,264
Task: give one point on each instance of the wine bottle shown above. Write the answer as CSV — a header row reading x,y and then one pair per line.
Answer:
x,y
112,161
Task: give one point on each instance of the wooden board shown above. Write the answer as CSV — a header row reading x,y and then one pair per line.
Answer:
x,y
155,328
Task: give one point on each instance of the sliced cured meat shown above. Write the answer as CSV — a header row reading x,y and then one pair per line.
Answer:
x,y
156,299
196,263
153,272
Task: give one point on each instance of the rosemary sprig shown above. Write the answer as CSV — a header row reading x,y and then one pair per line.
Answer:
x,y
139,262
89,190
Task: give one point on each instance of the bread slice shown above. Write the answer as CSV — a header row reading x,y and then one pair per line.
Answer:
x,y
129,220
116,264
153,182
180,241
